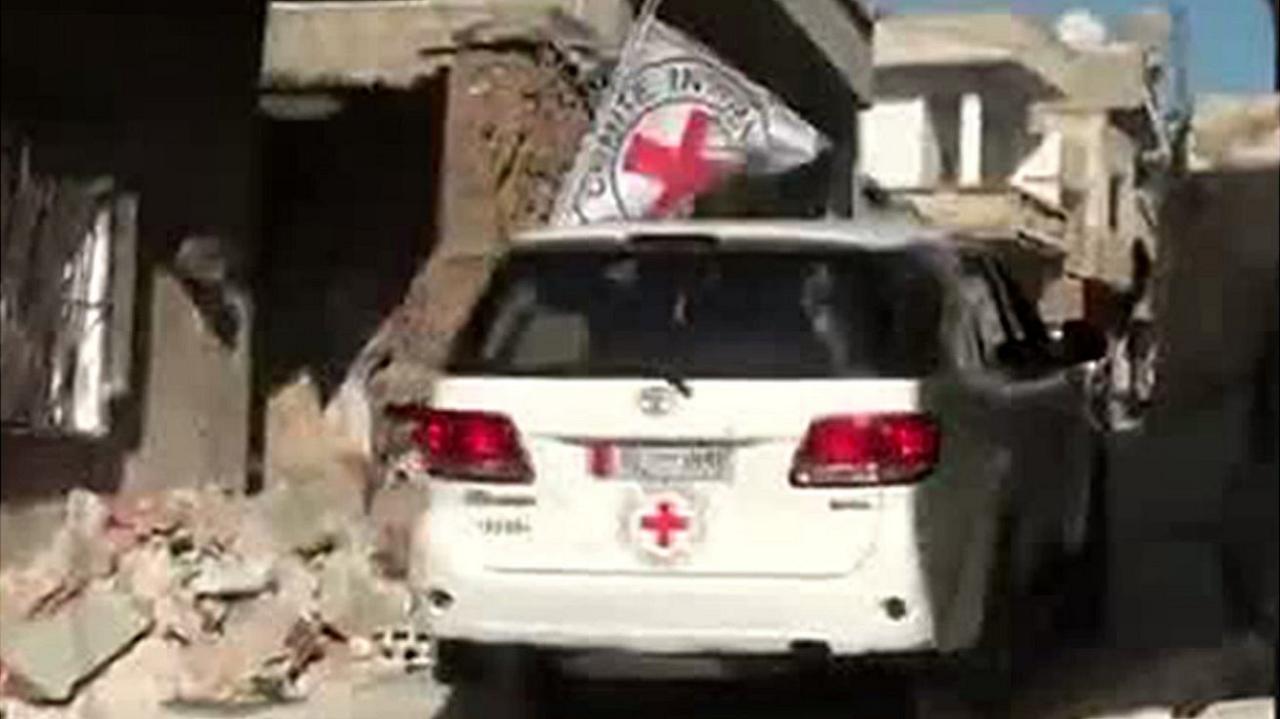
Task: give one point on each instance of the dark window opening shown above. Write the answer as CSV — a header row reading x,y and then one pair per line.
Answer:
x,y
1113,201
944,113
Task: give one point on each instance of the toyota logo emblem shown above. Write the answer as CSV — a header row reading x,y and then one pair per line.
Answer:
x,y
656,401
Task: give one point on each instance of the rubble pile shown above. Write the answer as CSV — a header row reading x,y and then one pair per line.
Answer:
x,y
201,598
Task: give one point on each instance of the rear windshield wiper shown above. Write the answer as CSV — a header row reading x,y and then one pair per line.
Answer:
x,y
677,382
673,378
658,371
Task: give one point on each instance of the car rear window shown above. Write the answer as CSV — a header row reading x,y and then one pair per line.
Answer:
x,y
727,312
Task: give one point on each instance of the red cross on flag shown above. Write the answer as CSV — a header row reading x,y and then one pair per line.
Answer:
x,y
675,123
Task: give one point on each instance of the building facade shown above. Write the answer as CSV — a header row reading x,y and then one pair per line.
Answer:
x,y
1048,145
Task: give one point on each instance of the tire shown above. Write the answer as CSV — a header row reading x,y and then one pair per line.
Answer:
x,y
1063,596
450,662
935,699
984,678
1081,613
495,682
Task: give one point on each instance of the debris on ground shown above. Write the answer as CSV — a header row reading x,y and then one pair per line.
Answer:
x,y
52,655
206,599
312,515
81,551
354,600
229,578
408,645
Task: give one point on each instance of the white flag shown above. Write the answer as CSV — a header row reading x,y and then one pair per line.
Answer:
x,y
675,123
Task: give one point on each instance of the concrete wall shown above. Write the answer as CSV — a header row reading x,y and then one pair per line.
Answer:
x,y
1109,240
396,43
1006,141
1095,151
990,138
194,407
1132,226
896,138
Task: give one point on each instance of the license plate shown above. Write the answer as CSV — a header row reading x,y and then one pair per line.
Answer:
x,y
696,463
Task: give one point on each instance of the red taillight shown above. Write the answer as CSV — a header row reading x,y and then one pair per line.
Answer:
x,y
602,459
866,449
477,446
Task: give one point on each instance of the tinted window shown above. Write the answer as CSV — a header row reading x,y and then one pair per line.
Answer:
x,y
709,313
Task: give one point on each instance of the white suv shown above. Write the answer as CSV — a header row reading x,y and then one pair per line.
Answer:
x,y
746,439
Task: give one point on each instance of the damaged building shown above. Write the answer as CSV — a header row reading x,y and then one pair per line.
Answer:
x,y
129,235
231,237
506,94
1049,145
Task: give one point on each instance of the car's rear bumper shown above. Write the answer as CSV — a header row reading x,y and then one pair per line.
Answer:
x,y
657,615
886,606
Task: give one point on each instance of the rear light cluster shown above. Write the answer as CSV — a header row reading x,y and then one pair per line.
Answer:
x,y
602,459
844,450
866,449
475,446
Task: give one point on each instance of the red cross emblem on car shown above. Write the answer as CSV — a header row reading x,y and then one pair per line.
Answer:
x,y
665,522
664,525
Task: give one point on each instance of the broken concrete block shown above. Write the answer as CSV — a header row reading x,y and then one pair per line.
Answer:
x,y
232,578
395,513
212,612
313,513
53,654
230,671
146,513
150,575
147,573
213,518
77,555
354,601
348,412
408,646
5,677
296,584
277,679
133,687
86,513
27,528
208,517
178,619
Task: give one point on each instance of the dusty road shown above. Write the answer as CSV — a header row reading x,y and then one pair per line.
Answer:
x,y
1078,684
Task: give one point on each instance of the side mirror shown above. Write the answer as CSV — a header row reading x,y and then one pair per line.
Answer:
x,y
1081,342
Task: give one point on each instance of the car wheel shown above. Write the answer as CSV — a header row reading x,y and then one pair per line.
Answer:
x,y
1083,584
984,680
496,682
932,698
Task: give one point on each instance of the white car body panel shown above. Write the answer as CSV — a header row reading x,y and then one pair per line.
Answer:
x,y
564,562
